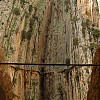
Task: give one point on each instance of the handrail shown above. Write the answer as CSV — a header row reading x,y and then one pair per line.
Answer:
x,y
49,64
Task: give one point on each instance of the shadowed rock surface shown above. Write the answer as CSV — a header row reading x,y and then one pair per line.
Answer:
x,y
5,80
94,86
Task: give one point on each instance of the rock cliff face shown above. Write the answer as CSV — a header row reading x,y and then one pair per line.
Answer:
x,y
49,31
94,86
6,87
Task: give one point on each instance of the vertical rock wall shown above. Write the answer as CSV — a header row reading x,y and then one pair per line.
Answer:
x,y
6,88
94,85
49,31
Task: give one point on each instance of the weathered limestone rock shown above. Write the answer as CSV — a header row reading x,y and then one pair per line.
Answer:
x,y
49,31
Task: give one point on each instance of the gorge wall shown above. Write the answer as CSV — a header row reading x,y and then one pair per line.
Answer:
x,y
49,31
94,85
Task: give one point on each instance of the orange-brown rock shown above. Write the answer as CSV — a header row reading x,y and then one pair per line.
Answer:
x,y
94,86
5,82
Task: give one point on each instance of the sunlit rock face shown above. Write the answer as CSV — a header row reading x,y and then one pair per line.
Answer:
x,y
49,31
